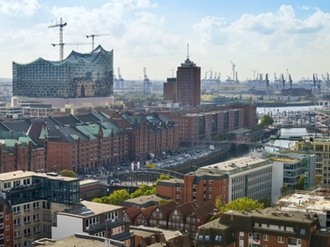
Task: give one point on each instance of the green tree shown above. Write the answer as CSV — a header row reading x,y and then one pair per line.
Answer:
x,y
68,173
285,189
301,182
241,204
115,198
162,177
266,120
318,180
144,190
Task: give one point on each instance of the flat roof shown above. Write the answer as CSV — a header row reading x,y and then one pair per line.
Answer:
x,y
89,181
142,199
20,174
76,240
235,165
275,213
303,202
143,231
88,208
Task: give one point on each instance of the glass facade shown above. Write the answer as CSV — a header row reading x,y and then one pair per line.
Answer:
x,y
43,188
78,76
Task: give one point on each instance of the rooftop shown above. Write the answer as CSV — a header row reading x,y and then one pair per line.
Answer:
x,y
305,202
235,165
76,240
88,208
143,231
20,174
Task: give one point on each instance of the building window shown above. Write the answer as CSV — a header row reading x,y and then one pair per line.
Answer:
x,y
26,207
210,181
265,237
280,239
302,231
218,238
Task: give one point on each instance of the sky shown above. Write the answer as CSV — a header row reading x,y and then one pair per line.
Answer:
x,y
253,36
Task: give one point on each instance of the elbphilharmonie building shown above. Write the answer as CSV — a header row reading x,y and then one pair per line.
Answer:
x,y
80,75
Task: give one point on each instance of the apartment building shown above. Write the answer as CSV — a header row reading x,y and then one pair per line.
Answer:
x,y
316,202
267,227
33,199
201,124
6,224
320,147
97,219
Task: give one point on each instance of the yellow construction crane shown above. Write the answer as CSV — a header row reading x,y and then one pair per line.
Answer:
x,y
61,25
95,35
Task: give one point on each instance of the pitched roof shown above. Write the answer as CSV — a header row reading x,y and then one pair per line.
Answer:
x,y
133,212
147,211
187,208
168,208
205,209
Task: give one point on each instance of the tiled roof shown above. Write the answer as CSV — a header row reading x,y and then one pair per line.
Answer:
x,y
67,120
147,211
168,208
205,209
187,208
132,212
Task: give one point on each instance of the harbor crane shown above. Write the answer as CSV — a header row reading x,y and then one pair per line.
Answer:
x,y
233,71
61,44
95,35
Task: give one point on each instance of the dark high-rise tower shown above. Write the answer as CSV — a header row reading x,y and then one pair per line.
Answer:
x,y
189,83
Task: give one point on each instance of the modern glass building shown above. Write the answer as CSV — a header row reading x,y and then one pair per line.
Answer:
x,y
77,76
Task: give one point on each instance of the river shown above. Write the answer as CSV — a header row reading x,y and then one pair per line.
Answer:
x,y
286,133
274,110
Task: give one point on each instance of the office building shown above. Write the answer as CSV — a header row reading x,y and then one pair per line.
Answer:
x,y
34,198
188,82
96,219
170,90
225,181
320,147
200,125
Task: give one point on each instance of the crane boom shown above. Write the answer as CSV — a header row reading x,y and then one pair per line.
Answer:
x,y
96,35
61,44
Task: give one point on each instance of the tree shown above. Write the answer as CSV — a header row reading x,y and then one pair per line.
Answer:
x,y
162,177
144,190
117,197
285,189
266,120
242,204
301,182
68,173
318,180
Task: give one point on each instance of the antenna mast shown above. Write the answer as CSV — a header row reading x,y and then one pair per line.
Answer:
x,y
188,51
61,44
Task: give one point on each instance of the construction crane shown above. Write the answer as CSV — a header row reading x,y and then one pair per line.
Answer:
x,y
95,35
70,43
61,44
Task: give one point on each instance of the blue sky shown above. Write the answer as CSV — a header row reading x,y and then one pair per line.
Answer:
x,y
266,36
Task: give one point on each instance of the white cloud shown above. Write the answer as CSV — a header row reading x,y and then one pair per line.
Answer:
x,y
19,7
